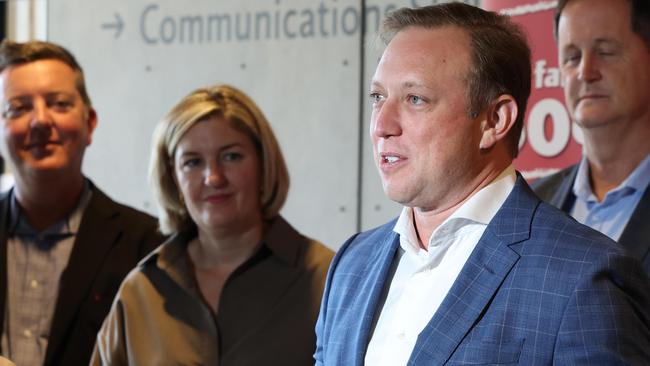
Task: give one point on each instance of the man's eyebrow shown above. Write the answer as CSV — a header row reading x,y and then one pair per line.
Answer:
x,y
404,85
19,98
607,41
375,83
412,84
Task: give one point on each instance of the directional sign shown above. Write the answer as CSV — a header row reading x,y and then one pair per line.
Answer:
x,y
118,25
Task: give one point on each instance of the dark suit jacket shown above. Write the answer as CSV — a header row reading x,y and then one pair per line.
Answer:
x,y
112,238
538,289
557,190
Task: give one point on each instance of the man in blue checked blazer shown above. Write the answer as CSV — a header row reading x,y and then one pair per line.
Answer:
x,y
475,270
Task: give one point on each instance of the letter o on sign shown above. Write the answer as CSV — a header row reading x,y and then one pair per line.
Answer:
x,y
561,127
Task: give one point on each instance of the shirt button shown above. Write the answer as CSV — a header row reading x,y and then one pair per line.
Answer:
x,y
34,284
401,336
27,333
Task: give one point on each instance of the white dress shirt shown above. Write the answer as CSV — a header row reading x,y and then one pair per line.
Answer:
x,y
422,278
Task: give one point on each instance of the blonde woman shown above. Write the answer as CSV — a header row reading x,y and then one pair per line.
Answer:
x,y
235,284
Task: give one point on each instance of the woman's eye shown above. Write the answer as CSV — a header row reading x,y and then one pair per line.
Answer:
x,y
190,163
232,156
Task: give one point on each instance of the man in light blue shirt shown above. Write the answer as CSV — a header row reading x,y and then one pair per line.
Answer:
x,y
604,53
611,214
64,245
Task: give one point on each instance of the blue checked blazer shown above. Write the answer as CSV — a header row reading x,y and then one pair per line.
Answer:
x,y
538,289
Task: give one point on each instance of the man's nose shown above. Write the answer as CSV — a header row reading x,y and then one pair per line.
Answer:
x,y
589,69
385,120
41,114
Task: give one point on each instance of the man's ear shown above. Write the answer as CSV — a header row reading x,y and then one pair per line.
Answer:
x,y
499,119
91,121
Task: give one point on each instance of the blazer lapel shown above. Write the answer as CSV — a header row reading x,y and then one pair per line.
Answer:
x,y
479,280
367,301
356,287
98,230
636,235
564,198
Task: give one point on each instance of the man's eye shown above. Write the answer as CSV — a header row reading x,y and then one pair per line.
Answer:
x,y
571,59
415,99
375,97
16,110
61,105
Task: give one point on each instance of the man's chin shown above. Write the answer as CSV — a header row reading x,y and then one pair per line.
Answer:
x,y
47,165
589,122
398,196
592,117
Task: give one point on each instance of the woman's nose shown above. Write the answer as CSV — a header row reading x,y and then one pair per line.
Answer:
x,y
214,176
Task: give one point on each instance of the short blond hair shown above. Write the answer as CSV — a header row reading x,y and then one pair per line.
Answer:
x,y
231,104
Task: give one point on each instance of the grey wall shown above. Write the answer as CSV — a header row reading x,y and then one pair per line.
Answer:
x,y
305,63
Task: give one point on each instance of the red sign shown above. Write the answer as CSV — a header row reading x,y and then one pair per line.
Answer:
x,y
550,141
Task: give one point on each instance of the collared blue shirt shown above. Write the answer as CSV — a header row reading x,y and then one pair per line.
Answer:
x,y
612,214
35,262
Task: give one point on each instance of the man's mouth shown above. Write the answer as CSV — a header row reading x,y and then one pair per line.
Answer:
x,y
591,96
41,144
390,158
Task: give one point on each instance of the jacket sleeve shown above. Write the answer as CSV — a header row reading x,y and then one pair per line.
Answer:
x,y
110,347
323,327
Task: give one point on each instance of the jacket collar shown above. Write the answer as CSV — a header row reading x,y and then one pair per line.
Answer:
x,y
99,229
484,272
281,239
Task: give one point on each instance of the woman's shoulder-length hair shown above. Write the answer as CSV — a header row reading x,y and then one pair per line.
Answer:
x,y
235,107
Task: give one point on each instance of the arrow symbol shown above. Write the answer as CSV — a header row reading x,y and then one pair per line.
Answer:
x,y
118,25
